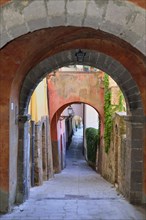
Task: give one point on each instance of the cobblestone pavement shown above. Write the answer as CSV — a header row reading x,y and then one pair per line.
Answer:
x,y
76,193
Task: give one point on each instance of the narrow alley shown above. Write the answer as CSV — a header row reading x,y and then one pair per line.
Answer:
x,y
77,192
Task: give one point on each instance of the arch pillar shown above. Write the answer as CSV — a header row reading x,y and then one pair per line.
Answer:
x,y
55,146
44,151
23,159
134,172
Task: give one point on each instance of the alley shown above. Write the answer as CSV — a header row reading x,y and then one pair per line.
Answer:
x,y
77,192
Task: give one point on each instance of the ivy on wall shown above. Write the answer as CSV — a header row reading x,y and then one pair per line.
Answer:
x,y
121,102
109,110
107,114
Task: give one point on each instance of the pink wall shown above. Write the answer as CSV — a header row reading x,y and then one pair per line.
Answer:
x,y
65,89
61,136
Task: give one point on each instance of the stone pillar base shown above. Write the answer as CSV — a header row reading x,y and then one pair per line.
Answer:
x,y
4,202
56,157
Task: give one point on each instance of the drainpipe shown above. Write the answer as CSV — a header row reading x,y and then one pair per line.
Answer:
x,y
32,151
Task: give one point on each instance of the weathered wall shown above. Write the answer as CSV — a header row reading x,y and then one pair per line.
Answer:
x,y
43,167
65,88
114,162
61,133
38,171
76,87
38,109
13,151
38,105
98,15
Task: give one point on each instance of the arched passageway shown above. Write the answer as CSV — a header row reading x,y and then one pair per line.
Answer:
x,y
114,44
124,80
55,126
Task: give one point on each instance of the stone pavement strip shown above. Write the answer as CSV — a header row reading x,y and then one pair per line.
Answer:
x,y
76,193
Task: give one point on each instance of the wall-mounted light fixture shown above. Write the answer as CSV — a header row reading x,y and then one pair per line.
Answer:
x,y
80,56
70,111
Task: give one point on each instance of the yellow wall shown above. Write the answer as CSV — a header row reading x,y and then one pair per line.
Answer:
x,y
38,106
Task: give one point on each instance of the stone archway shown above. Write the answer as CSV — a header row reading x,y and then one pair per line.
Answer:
x,y
99,60
133,181
53,125
126,23
121,37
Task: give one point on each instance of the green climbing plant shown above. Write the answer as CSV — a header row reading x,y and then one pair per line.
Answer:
x,y
107,113
121,100
109,110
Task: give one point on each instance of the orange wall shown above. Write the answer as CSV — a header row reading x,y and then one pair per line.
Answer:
x,y
77,87
66,88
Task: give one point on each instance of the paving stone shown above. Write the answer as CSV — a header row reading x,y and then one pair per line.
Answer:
x,y
76,193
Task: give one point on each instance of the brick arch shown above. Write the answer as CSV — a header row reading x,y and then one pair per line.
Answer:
x,y
53,124
128,22
134,120
67,104
58,112
99,60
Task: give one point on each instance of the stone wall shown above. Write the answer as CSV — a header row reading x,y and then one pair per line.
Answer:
x,y
113,162
43,168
